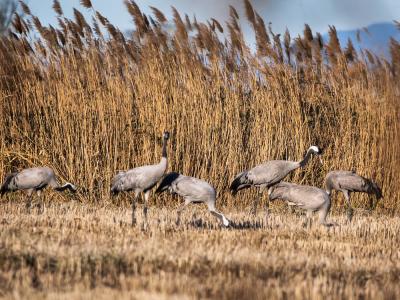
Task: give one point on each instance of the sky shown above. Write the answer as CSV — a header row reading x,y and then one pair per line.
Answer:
x,y
291,14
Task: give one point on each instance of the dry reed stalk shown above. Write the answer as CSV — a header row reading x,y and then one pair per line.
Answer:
x,y
89,107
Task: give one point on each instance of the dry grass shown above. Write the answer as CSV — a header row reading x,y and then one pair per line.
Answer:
x,y
86,251
88,101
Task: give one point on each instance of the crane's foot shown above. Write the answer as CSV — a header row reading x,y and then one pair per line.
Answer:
x,y
253,212
144,226
266,216
350,214
306,224
42,208
226,222
28,207
253,209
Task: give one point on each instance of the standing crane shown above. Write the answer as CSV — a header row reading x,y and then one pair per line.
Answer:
x,y
141,179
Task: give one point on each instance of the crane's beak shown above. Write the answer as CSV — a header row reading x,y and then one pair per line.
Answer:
x,y
320,159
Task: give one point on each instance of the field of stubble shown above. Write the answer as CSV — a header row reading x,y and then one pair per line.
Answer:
x,y
85,251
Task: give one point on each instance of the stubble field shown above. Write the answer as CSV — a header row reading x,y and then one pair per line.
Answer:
x,y
83,251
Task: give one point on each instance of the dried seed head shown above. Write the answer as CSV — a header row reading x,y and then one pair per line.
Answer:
x,y
159,15
25,8
233,13
103,20
218,25
57,7
86,3
250,12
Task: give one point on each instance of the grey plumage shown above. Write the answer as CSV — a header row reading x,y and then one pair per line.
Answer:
x,y
193,190
347,182
306,197
266,175
33,180
141,179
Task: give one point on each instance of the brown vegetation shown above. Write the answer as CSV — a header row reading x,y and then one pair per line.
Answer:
x,y
73,249
87,100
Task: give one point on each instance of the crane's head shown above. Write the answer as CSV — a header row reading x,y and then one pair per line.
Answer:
x,y
376,190
166,135
315,150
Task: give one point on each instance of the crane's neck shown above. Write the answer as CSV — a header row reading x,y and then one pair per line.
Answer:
x,y
304,161
164,160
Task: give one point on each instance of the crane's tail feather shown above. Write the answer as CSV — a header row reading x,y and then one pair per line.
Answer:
x,y
113,191
240,182
5,187
167,181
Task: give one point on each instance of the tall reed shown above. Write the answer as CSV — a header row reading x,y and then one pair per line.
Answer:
x,y
88,101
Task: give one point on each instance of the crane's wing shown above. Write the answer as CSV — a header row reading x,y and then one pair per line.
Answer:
x,y
352,182
271,172
307,197
33,178
193,189
143,178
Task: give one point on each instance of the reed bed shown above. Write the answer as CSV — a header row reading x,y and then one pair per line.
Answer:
x,y
87,100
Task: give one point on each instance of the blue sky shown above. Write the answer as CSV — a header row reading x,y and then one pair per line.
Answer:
x,y
344,14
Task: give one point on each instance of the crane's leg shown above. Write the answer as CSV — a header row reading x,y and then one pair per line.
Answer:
x,y
323,212
146,200
220,216
291,208
266,204
349,211
266,210
179,211
134,200
372,203
253,209
42,205
29,200
308,219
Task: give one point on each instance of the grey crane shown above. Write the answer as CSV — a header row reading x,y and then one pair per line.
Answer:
x,y
306,197
141,179
349,181
33,180
193,190
267,174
